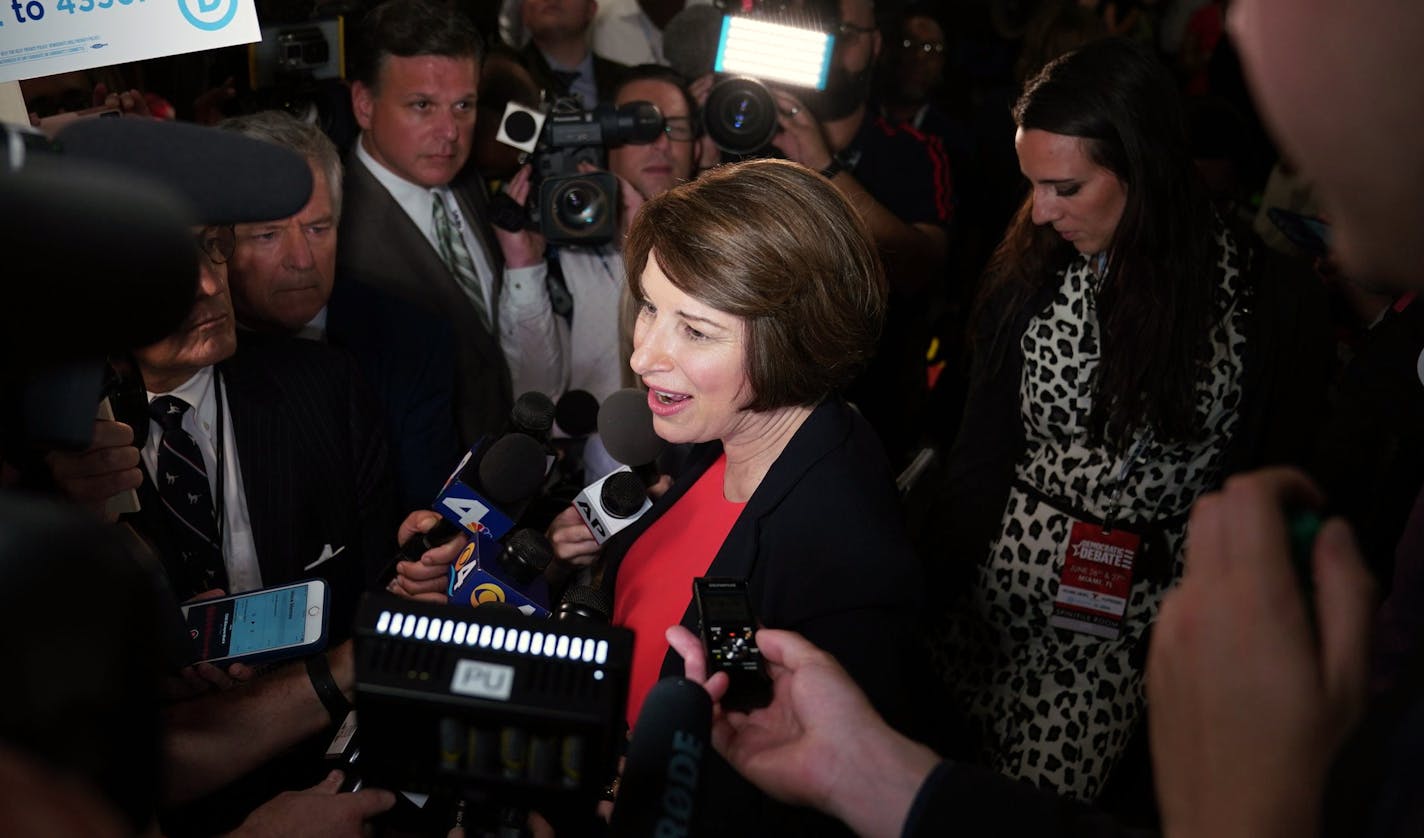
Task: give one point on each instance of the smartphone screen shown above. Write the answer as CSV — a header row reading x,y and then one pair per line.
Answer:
x,y
254,623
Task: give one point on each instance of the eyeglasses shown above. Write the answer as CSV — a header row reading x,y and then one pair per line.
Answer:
x,y
926,47
679,128
217,243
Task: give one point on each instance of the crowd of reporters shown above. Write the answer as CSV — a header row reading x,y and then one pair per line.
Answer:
x,y
379,278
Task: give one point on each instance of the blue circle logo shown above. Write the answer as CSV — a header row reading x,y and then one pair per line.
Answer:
x,y
206,8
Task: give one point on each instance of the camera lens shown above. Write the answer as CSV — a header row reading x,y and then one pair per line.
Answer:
x,y
741,115
740,112
580,206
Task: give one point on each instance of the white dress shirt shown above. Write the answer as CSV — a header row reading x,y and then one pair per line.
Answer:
x,y
239,551
546,352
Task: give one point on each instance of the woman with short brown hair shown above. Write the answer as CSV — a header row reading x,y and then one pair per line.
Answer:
x,y
760,295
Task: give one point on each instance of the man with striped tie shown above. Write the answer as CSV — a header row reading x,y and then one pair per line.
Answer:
x,y
414,222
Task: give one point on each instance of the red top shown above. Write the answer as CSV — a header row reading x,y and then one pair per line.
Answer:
x,y
655,579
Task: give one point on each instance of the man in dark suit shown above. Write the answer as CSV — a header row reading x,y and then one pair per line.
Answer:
x,y
260,461
283,280
558,55
415,217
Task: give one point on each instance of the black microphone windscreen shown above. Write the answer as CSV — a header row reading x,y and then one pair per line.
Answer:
x,y
690,40
533,413
622,494
585,602
658,792
577,412
625,422
526,554
103,261
512,470
227,178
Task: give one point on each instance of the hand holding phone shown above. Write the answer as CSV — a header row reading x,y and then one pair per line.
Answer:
x,y
286,621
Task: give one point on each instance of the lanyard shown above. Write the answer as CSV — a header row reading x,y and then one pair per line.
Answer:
x,y
1120,480
219,455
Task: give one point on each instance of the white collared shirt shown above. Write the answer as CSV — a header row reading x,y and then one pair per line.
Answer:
x,y
238,549
546,352
622,32
419,203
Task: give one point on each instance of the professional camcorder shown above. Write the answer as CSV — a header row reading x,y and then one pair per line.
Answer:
x,y
571,207
768,44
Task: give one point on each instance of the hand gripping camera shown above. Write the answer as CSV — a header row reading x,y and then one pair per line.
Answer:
x,y
571,207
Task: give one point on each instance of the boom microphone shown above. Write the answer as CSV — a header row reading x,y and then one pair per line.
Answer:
x,y
658,793
690,40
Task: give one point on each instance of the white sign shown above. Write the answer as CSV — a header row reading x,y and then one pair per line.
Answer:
x,y
44,37
483,680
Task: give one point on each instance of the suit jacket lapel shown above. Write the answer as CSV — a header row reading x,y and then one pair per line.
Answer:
x,y
822,431
412,257
265,454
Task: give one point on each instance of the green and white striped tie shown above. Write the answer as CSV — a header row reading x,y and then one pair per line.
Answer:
x,y
457,258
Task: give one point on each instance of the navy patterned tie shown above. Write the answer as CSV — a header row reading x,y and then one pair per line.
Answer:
x,y
182,482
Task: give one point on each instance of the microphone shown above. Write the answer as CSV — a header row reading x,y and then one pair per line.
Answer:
x,y
625,424
517,584
612,502
533,415
577,413
585,603
690,40
224,176
484,495
659,790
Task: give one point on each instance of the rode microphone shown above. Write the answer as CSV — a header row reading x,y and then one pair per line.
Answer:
x,y
512,577
612,502
658,793
625,424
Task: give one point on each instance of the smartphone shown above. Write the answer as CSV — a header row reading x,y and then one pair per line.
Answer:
x,y
287,621
1306,232
728,630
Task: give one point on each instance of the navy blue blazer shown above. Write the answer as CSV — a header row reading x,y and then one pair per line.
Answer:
x,y
408,358
823,547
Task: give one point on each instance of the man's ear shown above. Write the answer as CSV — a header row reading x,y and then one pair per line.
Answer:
x,y
363,103
875,44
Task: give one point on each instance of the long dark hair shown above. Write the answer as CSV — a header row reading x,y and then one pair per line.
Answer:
x,y
1156,305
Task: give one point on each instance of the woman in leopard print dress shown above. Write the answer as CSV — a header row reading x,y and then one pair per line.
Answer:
x,y
1120,306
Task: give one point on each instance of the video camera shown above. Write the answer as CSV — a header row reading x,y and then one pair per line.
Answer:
x,y
572,207
769,42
